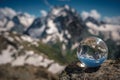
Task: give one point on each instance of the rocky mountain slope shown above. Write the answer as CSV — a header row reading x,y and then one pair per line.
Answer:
x,y
61,23
18,51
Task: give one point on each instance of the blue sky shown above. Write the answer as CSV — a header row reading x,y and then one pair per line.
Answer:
x,y
108,8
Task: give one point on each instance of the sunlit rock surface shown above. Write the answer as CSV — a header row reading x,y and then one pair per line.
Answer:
x,y
109,70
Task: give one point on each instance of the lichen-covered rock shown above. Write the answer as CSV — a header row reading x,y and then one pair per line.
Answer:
x,y
109,70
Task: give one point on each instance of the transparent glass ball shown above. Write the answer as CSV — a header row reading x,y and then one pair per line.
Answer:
x,y
92,51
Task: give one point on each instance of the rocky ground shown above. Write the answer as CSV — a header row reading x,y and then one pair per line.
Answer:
x,y
27,72
109,70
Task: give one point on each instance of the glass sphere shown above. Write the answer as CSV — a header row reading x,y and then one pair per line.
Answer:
x,y
92,51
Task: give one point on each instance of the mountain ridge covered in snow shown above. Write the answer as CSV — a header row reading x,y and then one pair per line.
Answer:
x,y
61,24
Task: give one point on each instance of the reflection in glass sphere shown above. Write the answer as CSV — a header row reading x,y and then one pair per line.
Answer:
x,y
92,51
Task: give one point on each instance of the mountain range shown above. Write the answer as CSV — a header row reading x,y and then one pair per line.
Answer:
x,y
39,48
61,24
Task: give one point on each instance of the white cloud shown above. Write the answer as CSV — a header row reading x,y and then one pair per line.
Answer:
x,y
43,13
67,7
7,12
28,15
84,14
109,30
95,14
92,13
112,20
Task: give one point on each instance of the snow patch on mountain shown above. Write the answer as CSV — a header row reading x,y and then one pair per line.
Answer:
x,y
10,25
51,27
54,68
5,56
68,34
19,61
17,38
3,21
25,19
30,58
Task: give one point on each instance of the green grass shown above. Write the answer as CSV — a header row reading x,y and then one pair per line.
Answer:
x,y
54,52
